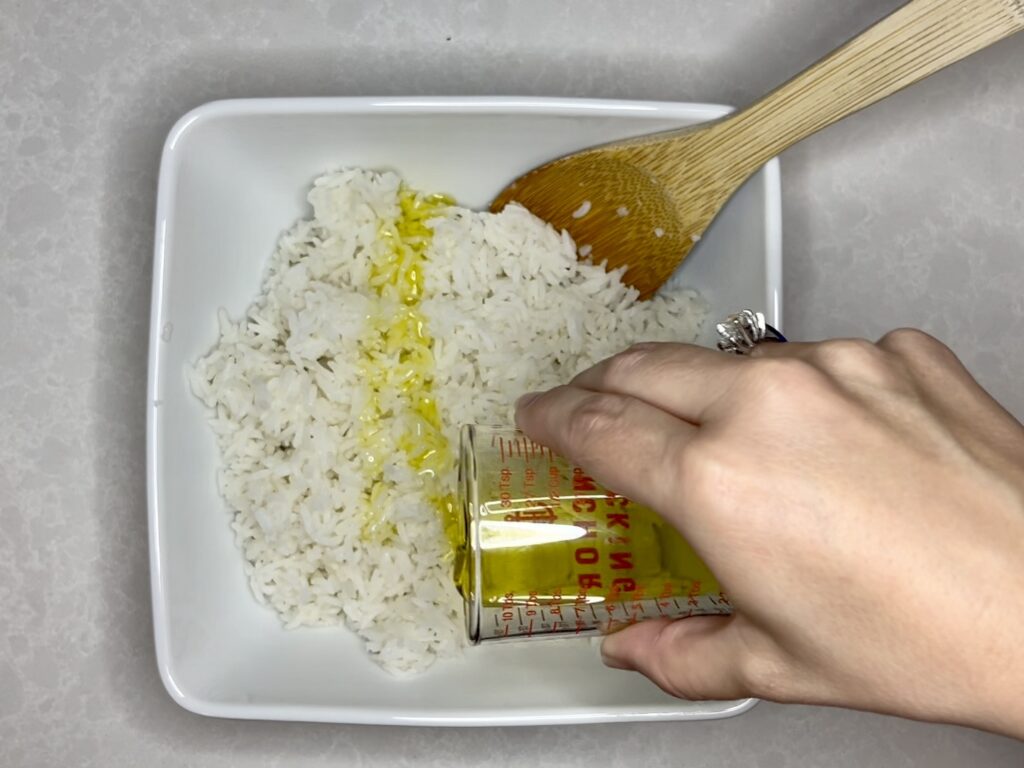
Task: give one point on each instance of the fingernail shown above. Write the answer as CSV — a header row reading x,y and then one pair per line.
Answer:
x,y
526,399
612,659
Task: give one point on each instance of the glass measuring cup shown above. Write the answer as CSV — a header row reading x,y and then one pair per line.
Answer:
x,y
549,551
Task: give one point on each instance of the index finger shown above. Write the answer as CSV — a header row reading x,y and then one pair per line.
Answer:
x,y
629,446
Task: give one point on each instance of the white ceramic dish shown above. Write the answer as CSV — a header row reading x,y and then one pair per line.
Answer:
x,y
234,174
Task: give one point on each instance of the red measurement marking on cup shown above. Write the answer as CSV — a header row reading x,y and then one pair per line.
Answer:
x,y
692,595
638,605
555,607
554,483
529,480
505,487
666,592
501,448
554,611
532,604
509,610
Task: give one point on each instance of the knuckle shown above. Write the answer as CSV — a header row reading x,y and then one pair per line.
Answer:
x,y
719,477
764,675
708,468
847,354
664,670
922,357
913,342
631,361
596,417
785,379
790,389
856,359
662,676
645,346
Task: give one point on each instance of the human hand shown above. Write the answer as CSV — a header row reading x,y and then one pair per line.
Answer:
x,y
862,505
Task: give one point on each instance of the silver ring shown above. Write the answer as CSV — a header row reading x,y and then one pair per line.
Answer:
x,y
741,332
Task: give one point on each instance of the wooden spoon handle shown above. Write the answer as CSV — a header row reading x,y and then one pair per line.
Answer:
x,y
916,40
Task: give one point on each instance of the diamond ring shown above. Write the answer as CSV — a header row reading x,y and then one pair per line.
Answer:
x,y
741,332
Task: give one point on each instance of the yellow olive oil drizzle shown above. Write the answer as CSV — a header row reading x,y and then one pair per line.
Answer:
x,y
397,366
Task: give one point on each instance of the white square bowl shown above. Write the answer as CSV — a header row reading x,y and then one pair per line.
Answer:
x,y
233,176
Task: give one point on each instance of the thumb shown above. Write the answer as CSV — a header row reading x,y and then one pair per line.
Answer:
x,y
696,658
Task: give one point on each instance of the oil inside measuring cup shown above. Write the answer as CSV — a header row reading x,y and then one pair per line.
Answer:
x,y
551,551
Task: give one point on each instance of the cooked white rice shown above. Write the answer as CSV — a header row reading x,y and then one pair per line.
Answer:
x,y
510,309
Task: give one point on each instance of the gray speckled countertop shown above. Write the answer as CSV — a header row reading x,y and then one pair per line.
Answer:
x,y
911,213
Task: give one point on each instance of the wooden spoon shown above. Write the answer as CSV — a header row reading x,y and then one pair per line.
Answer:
x,y
644,202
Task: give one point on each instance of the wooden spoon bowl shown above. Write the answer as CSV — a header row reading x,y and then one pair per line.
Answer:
x,y
644,202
